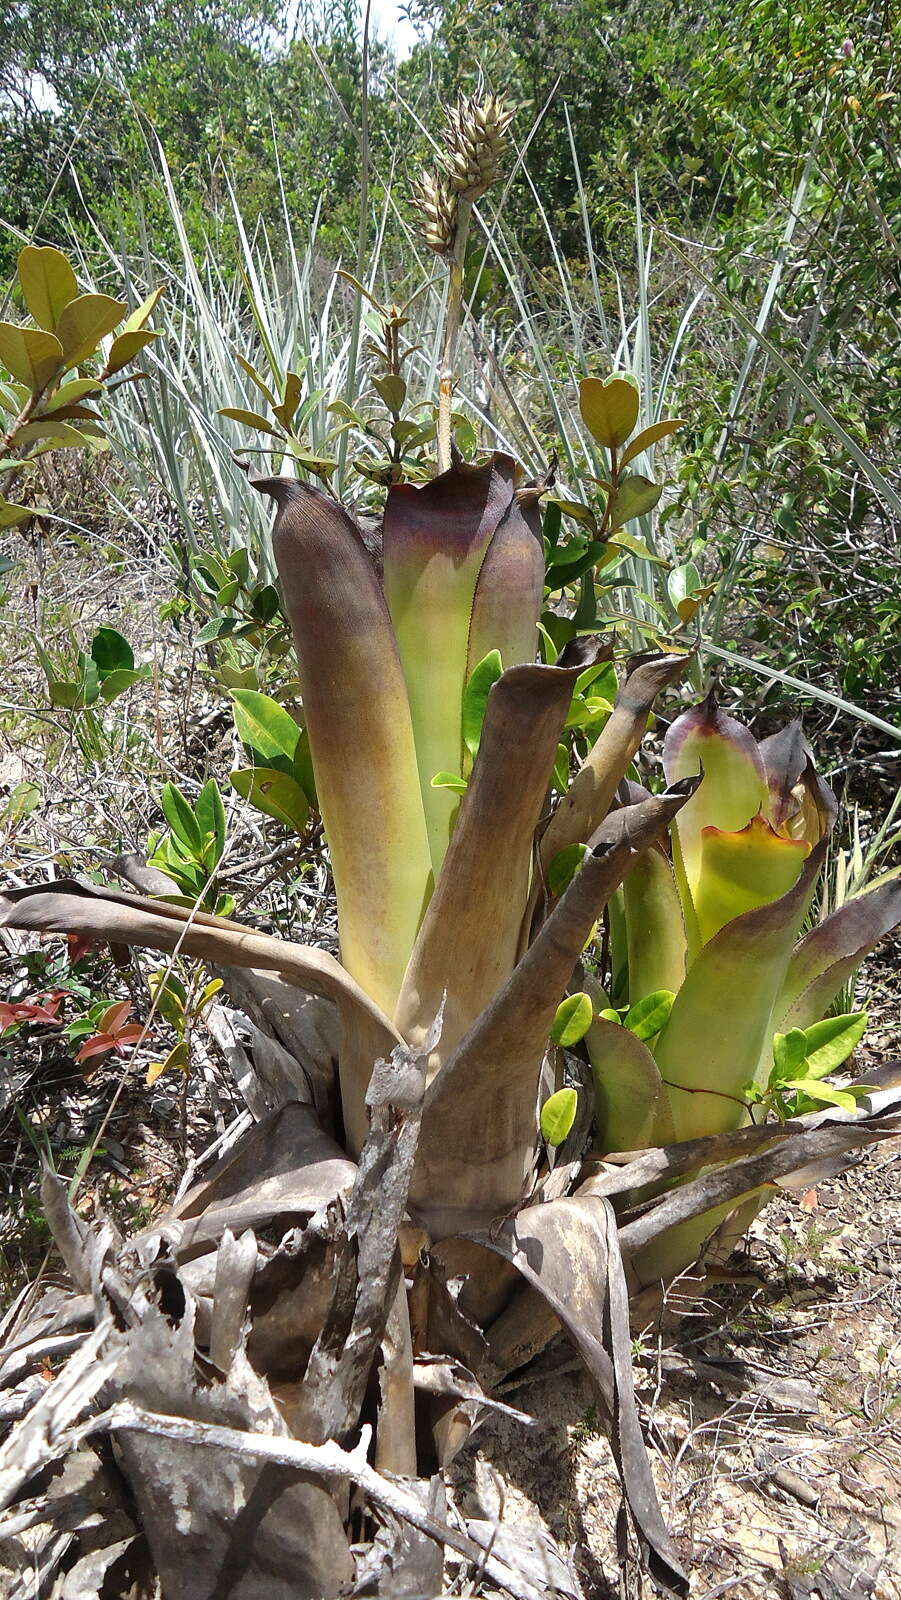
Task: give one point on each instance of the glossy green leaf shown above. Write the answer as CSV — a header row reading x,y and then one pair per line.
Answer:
x,y
789,1055
266,728
564,867
573,1019
275,793
609,409
250,419
475,698
393,390
239,563
11,514
435,540
207,994
682,581
651,436
125,347
111,651
561,768
830,1042
180,816
287,407
84,322
169,996
558,1115
60,435
30,354
69,393
646,1018
48,283
136,319
255,377
112,684
815,1090
178,1060
450,780
223,628
634,497
264,602
210,814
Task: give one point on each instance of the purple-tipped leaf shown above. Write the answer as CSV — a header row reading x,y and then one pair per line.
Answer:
x,y
434,541
800,802
510,589
828,957
361,736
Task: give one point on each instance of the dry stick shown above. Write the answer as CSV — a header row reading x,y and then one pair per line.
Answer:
x,y
324,1460
452,332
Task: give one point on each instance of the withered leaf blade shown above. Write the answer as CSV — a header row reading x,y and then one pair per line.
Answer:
x,y
282,1168
218,1522
739,1178
69,906
568,1251
366,1263
72,907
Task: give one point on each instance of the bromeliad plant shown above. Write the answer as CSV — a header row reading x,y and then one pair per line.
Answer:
x,y
466,903
719,1006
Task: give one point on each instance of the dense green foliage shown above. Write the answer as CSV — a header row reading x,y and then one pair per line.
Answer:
x,y
761,142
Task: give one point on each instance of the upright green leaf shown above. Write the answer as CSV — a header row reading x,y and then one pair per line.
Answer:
x,y
48,283
180,817
210,814
266,728
711,1046
475,698
830,1042
357,718
434,541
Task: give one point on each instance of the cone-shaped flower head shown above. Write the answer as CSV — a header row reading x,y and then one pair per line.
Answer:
x,y
475,141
